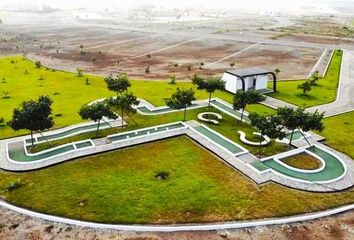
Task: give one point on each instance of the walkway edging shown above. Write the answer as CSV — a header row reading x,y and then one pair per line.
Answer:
x,y
181,227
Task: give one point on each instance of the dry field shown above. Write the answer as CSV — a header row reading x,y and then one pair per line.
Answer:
x,y
110,50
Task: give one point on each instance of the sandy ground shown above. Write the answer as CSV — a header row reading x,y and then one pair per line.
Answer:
x,y
14,226
110,50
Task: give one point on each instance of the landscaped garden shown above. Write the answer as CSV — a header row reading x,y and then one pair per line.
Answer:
x,y
125,186
168,181
324,92
21,80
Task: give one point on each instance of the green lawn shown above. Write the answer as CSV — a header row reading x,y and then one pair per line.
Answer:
x,y
121,187
227,127
302,161
70,92
339,133
325,92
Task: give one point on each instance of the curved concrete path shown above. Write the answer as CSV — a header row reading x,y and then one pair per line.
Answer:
x,y
345,93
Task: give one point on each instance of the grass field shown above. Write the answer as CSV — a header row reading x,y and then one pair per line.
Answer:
x,y
325,92
121,187
227,127
339,133
302,161
69,92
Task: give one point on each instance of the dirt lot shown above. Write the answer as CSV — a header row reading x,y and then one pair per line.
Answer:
x,y
110,50
14,226
293,62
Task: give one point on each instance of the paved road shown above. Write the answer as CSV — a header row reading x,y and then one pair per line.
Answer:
x,y
345,94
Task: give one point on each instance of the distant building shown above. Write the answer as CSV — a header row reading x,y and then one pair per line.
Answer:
x,y
248,78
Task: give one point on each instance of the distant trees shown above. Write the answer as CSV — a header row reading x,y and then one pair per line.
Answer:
x,y
210,85
181,99
243,98
33,116
96,112
294,119
268,126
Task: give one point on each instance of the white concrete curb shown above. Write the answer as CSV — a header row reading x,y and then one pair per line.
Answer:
x,y
181,227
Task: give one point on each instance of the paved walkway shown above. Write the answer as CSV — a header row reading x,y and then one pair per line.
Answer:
x,y
345,95
276,103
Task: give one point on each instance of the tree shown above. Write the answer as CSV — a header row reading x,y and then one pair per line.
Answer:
x,y
268,126
118,84
242,98
2,120
173,79
124,102
96,112
210,85
294,119
305,86
277,71
314,78
182,98
80,72
33,116
38,64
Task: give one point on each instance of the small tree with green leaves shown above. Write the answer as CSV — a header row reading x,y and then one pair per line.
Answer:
x,y
124,102
305,86
118,84
80,72
314,78
33,116
173,79
210,85
277,71
243,98
2,121
181,99
268,126
298,119
38,64
96,112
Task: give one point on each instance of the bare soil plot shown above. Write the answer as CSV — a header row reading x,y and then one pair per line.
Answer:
x,y
318,39
293,62
183,60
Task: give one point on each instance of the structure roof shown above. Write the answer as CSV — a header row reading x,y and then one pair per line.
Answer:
x,y
246,72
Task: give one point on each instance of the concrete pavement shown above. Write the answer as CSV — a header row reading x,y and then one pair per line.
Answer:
x,y
345,94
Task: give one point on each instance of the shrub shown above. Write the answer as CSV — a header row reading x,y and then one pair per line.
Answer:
x,y
3,80
12,61
14,185
38,64
6,94
41,77
189,68
173,79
